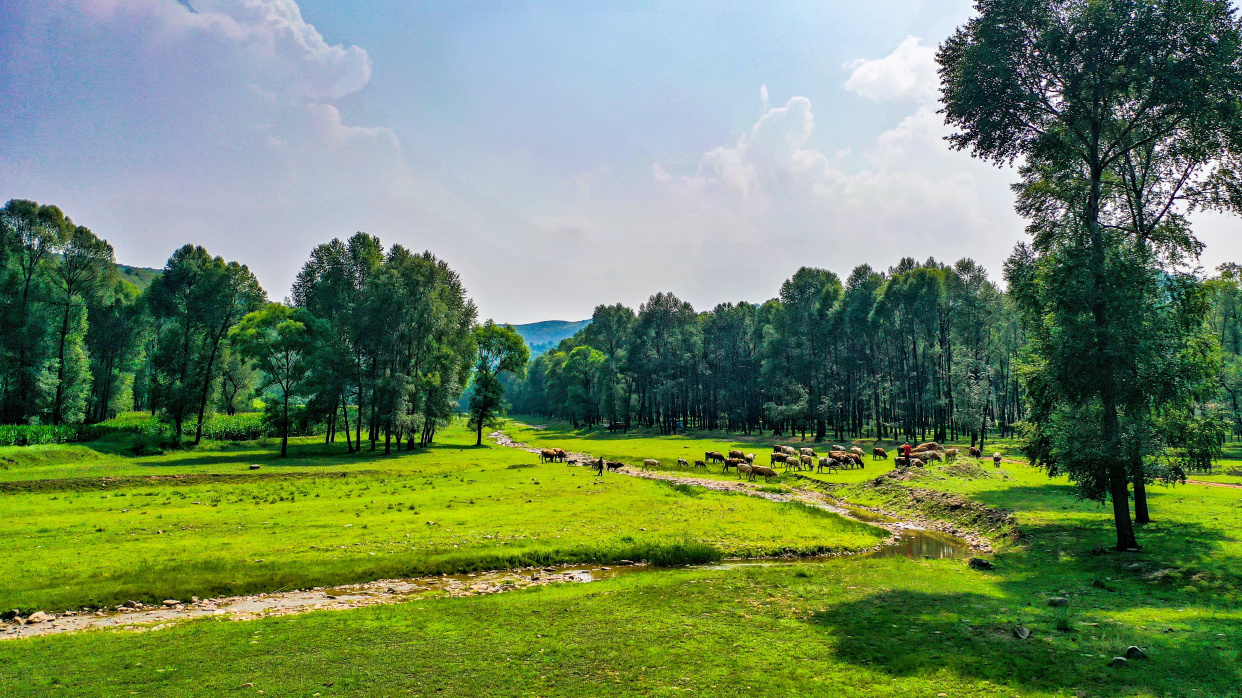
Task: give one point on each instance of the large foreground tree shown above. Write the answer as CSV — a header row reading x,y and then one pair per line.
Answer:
x,y
1101,100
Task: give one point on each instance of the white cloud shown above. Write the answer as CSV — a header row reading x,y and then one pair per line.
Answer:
x,y
660,173
770,154
909,72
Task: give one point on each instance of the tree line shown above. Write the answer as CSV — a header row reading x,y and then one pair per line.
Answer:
x,y
920,351
385,338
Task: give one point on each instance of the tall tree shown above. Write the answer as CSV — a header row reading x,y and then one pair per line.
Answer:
x,y
280,341
82,265
1076,87
500,349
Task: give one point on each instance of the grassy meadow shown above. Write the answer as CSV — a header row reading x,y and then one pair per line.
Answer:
x,y
852,626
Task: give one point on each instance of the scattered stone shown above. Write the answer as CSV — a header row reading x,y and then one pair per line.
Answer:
x,y
171,602
1118,661
1058,601
979,563
1134,652
1021,633
131,604
625,562
10,614
38,617
254,467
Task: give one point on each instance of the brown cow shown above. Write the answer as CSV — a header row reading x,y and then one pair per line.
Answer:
x,y
807,451
560,454
765,471
547,455
857,451
950,454
915,463
749,458
736,454
931,456
826,462
807,460
878,453
928,446
731,463
975,452
713,457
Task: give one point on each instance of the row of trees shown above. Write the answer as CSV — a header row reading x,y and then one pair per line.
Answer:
x,y
387,338
920,351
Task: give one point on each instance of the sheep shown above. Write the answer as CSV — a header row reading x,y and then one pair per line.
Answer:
x,y
749,458
765,471
547,455
976,452
682,463
857,450
878,453
746,469
950,454
736,454
931,456
700,464
651,464
731,463
713,457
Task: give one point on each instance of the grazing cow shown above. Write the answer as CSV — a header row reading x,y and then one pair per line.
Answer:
x,y
651,464
878,453
780,458
778,449
826,462
614,464
746,469
749,458
931,456
808,461
736,454
858,451
682,463
928,446
915,462
976,452
700,464
547,455
807,451
765,471
790,450
857,460
560,454
714,457
950,454
731,463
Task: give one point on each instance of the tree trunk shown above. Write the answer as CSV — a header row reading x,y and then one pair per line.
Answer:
x,y
60,366
284,427
1140,501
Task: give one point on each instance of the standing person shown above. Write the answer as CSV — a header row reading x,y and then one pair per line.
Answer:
x,y
905,450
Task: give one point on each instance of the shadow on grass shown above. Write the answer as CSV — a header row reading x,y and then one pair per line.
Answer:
x,y
913,633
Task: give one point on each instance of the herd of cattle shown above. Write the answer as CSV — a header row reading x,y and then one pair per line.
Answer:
x,y
838,458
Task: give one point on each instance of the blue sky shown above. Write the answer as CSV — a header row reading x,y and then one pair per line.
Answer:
x,y
559,155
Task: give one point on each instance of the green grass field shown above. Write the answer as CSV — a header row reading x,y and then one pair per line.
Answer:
x,y
849,626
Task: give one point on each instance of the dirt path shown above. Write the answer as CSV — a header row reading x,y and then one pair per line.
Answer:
x,y
1214,484
893,524
142,618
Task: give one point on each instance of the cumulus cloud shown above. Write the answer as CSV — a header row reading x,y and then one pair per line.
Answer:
x,y
909,72
770,154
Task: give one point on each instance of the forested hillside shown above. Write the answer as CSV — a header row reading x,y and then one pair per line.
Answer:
x,y
542,336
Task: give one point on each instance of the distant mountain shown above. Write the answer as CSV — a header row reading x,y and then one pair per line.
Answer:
x,y
138,276
542,336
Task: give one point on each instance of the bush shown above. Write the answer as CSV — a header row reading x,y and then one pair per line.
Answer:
x,y
35,434
230,427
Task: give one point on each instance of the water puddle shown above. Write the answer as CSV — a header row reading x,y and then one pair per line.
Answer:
x,y
917,544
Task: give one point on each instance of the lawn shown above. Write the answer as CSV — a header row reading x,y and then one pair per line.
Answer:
x,y
848,626
454,509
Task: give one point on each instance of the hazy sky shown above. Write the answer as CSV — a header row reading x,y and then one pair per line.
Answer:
x,y
558,154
